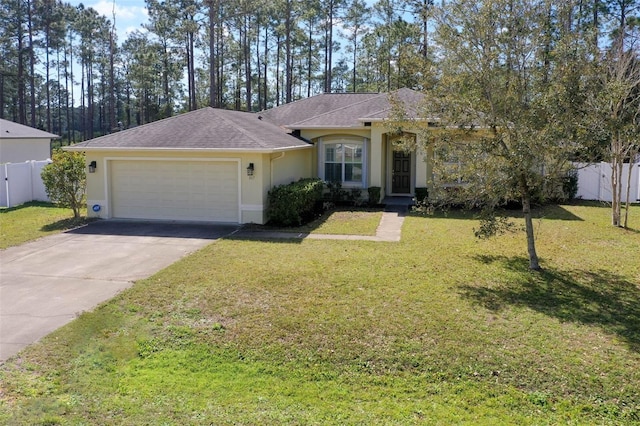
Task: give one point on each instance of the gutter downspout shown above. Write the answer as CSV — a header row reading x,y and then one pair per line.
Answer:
x,y
272,161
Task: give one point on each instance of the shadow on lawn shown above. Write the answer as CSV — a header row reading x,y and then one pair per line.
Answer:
x,y
64,224
599,298
550,212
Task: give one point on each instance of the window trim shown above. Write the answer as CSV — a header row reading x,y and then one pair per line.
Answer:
x,y
345,140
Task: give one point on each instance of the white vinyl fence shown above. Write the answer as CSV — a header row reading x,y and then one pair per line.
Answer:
x,y
21,182
594,182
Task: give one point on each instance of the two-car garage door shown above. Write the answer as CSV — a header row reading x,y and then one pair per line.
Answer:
x,y
175,190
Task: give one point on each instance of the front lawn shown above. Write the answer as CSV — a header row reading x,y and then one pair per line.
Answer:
x,y
33,220
440,328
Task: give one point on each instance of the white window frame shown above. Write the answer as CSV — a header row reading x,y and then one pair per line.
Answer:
x,y
344,140
455,165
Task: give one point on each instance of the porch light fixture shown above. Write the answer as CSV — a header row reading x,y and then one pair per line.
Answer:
x,y
250,169
92,167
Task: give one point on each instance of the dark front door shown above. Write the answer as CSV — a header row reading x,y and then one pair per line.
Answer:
x,y
401,173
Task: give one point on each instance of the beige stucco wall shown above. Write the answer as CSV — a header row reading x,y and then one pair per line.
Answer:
x,y
253,189
378,156
21,150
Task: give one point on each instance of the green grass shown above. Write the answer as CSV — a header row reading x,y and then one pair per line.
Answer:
x,y
33,220
440,328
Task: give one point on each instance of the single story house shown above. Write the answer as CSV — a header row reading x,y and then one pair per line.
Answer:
x,y
216,165
20,143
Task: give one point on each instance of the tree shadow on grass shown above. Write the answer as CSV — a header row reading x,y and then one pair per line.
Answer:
x,y
64,224
550,212
601,298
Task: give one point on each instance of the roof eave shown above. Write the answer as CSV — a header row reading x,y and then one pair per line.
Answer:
x,y
4,137
76,148
294,127
381,120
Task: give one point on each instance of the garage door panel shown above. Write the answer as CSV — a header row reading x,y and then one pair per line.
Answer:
x,y
175,190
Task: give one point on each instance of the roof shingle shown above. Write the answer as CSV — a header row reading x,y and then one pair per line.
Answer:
x,y
334,110
207,129
218,129
11,130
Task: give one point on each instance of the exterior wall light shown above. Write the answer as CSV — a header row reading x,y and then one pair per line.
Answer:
x,y
92,167
250,169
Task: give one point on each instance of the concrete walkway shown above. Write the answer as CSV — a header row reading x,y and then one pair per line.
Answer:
x,y
389,230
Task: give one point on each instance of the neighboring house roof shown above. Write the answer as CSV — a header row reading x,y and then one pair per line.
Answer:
x,y
343,110
204,129
11,130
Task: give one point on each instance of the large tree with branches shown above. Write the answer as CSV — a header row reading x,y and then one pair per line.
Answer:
x,y
507,88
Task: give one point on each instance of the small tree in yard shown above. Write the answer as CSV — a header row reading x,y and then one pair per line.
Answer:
x,y
65,180
615,116
510,84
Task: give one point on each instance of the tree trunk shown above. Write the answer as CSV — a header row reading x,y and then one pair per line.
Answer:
x,y
22,101
32,65
616,188
247,65
534,263
90,104
288,55
112,78
258,67
628,200
355,59
309,59
72,133
277,75
213,59
329,66
265,88
83,122
47,73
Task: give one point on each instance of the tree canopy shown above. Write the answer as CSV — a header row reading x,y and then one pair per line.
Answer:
x,y
62,68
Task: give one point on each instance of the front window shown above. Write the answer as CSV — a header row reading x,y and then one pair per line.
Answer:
x,y
449,166
343,161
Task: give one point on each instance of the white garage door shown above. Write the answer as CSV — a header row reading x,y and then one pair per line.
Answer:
x,y
175,190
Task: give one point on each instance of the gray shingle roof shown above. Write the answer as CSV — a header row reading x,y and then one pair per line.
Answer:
x,y
11,130
218,129
206,129
335,110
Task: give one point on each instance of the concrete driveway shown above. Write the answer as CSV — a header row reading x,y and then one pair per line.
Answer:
x,y
46,283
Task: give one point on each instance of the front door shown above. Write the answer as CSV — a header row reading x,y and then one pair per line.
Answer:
x,y
401,173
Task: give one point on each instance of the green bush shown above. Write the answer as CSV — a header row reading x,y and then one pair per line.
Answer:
x,y
374,195
65,180
421,195
295,203
334,193
558,188
570,184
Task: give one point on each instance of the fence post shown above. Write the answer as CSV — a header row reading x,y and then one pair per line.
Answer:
x,y
31,169
6,184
